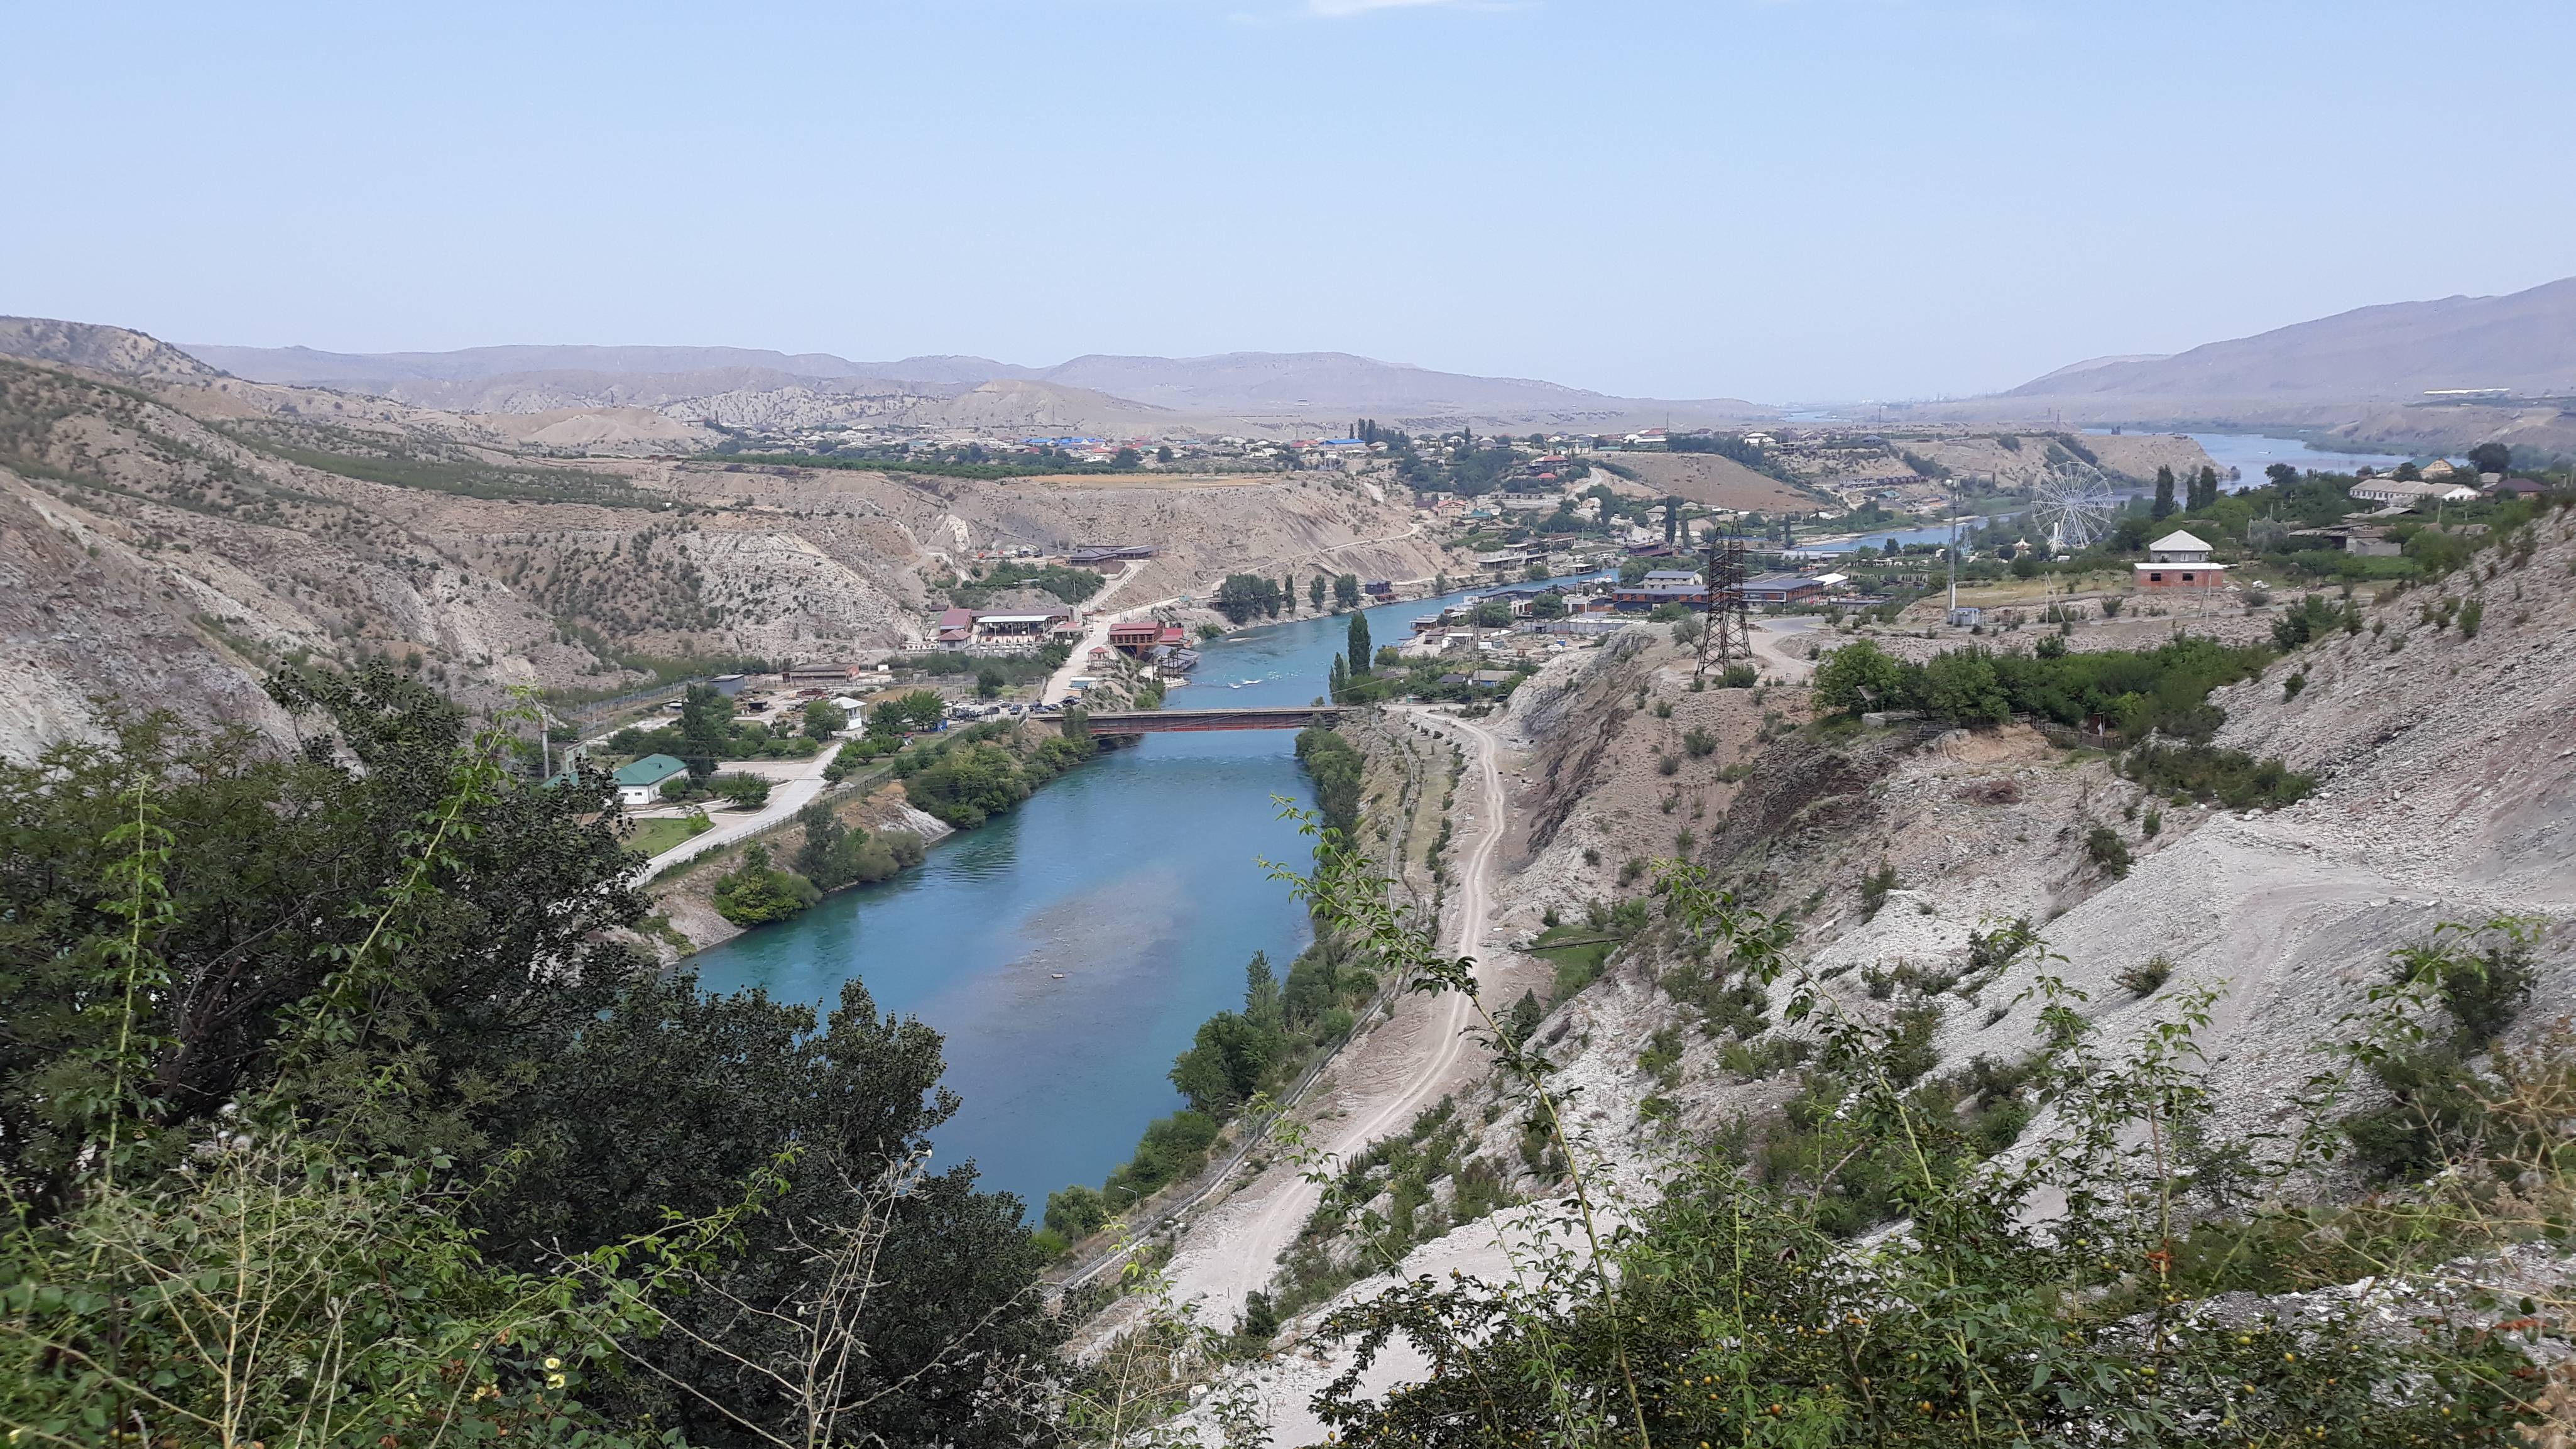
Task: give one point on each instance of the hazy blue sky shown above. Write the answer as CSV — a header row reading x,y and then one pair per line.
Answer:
x,y
1781,201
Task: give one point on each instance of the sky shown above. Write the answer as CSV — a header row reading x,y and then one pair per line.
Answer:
x,y
1780,200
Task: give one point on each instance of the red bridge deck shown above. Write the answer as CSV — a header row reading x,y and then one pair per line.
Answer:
x,y
1147,721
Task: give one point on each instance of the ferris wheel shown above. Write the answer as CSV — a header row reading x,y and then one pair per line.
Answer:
x,y
2074,505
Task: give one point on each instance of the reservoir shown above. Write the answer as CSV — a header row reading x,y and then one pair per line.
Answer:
x,y
1070,948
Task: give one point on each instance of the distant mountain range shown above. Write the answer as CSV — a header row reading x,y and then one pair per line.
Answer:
x,y
1322,386
2524,343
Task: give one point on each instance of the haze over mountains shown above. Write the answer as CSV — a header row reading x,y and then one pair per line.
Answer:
x,y
1252,385
2523,342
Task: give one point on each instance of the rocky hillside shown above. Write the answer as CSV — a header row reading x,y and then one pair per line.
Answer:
x,y
1907,859
2443,794
173,533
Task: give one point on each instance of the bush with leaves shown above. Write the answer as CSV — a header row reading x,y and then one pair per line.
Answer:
x,y
756,892
334,1113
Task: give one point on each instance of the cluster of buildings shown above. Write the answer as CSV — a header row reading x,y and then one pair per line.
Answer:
x,y
1005,631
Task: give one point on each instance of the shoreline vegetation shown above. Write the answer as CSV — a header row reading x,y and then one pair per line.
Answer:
x,y
1240,1058
962,778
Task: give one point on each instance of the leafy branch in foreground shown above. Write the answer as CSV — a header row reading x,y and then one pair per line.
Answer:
x,y
2050,1297
336,1109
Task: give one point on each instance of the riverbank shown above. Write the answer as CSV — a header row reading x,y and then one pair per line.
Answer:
x,y
1400,778
1071,948
965,777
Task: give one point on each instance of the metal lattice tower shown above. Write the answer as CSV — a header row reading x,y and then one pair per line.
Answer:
x,y
1726,622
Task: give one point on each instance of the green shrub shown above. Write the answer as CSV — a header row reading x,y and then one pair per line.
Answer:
x,y
2103,846
967,786
755,892
2228,777
2144,978
1874,888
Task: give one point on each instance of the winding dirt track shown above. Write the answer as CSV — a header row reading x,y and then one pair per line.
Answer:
x,y
1383,1081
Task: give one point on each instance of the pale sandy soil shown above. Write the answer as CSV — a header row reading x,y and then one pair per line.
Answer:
x,y
1381,1082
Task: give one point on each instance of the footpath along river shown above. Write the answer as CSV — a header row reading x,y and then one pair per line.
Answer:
x,y
1069,949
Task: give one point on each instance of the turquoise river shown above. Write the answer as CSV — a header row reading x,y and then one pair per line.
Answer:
x,y
1070,948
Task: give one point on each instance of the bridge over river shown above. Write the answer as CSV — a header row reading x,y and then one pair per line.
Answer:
x,y
1155,721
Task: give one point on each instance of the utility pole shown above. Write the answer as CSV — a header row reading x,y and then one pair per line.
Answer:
x,y
1954,555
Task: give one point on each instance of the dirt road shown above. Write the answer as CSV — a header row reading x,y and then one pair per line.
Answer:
x,y
1770,634
1382,1082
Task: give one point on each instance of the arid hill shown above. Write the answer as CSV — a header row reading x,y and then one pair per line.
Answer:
x,y
2525,342
1255,392
169,534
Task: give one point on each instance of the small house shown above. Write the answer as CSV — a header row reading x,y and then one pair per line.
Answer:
x,y
641,782
1136,637
2177,560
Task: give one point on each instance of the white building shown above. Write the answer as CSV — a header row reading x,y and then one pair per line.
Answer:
x,y
2402,493
2176,561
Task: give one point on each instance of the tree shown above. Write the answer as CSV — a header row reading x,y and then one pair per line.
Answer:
x,y
1357,643
824,719
1243,596
1315,594
1346,591
1634,570
1961,685
966,787
756,892
1335,767
1550,605
1537,572
823,834
1672,520
2164,504
2490,458
2205,489
706,728
746,790
1490,614
2281,474
1126,458
834,855
919,709
1076,1212
1225,1063
506,1091
1262,1003
1288,591
1340,679
988,682
1859,677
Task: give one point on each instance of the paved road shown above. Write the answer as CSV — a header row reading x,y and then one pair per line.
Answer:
x,y
786,797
